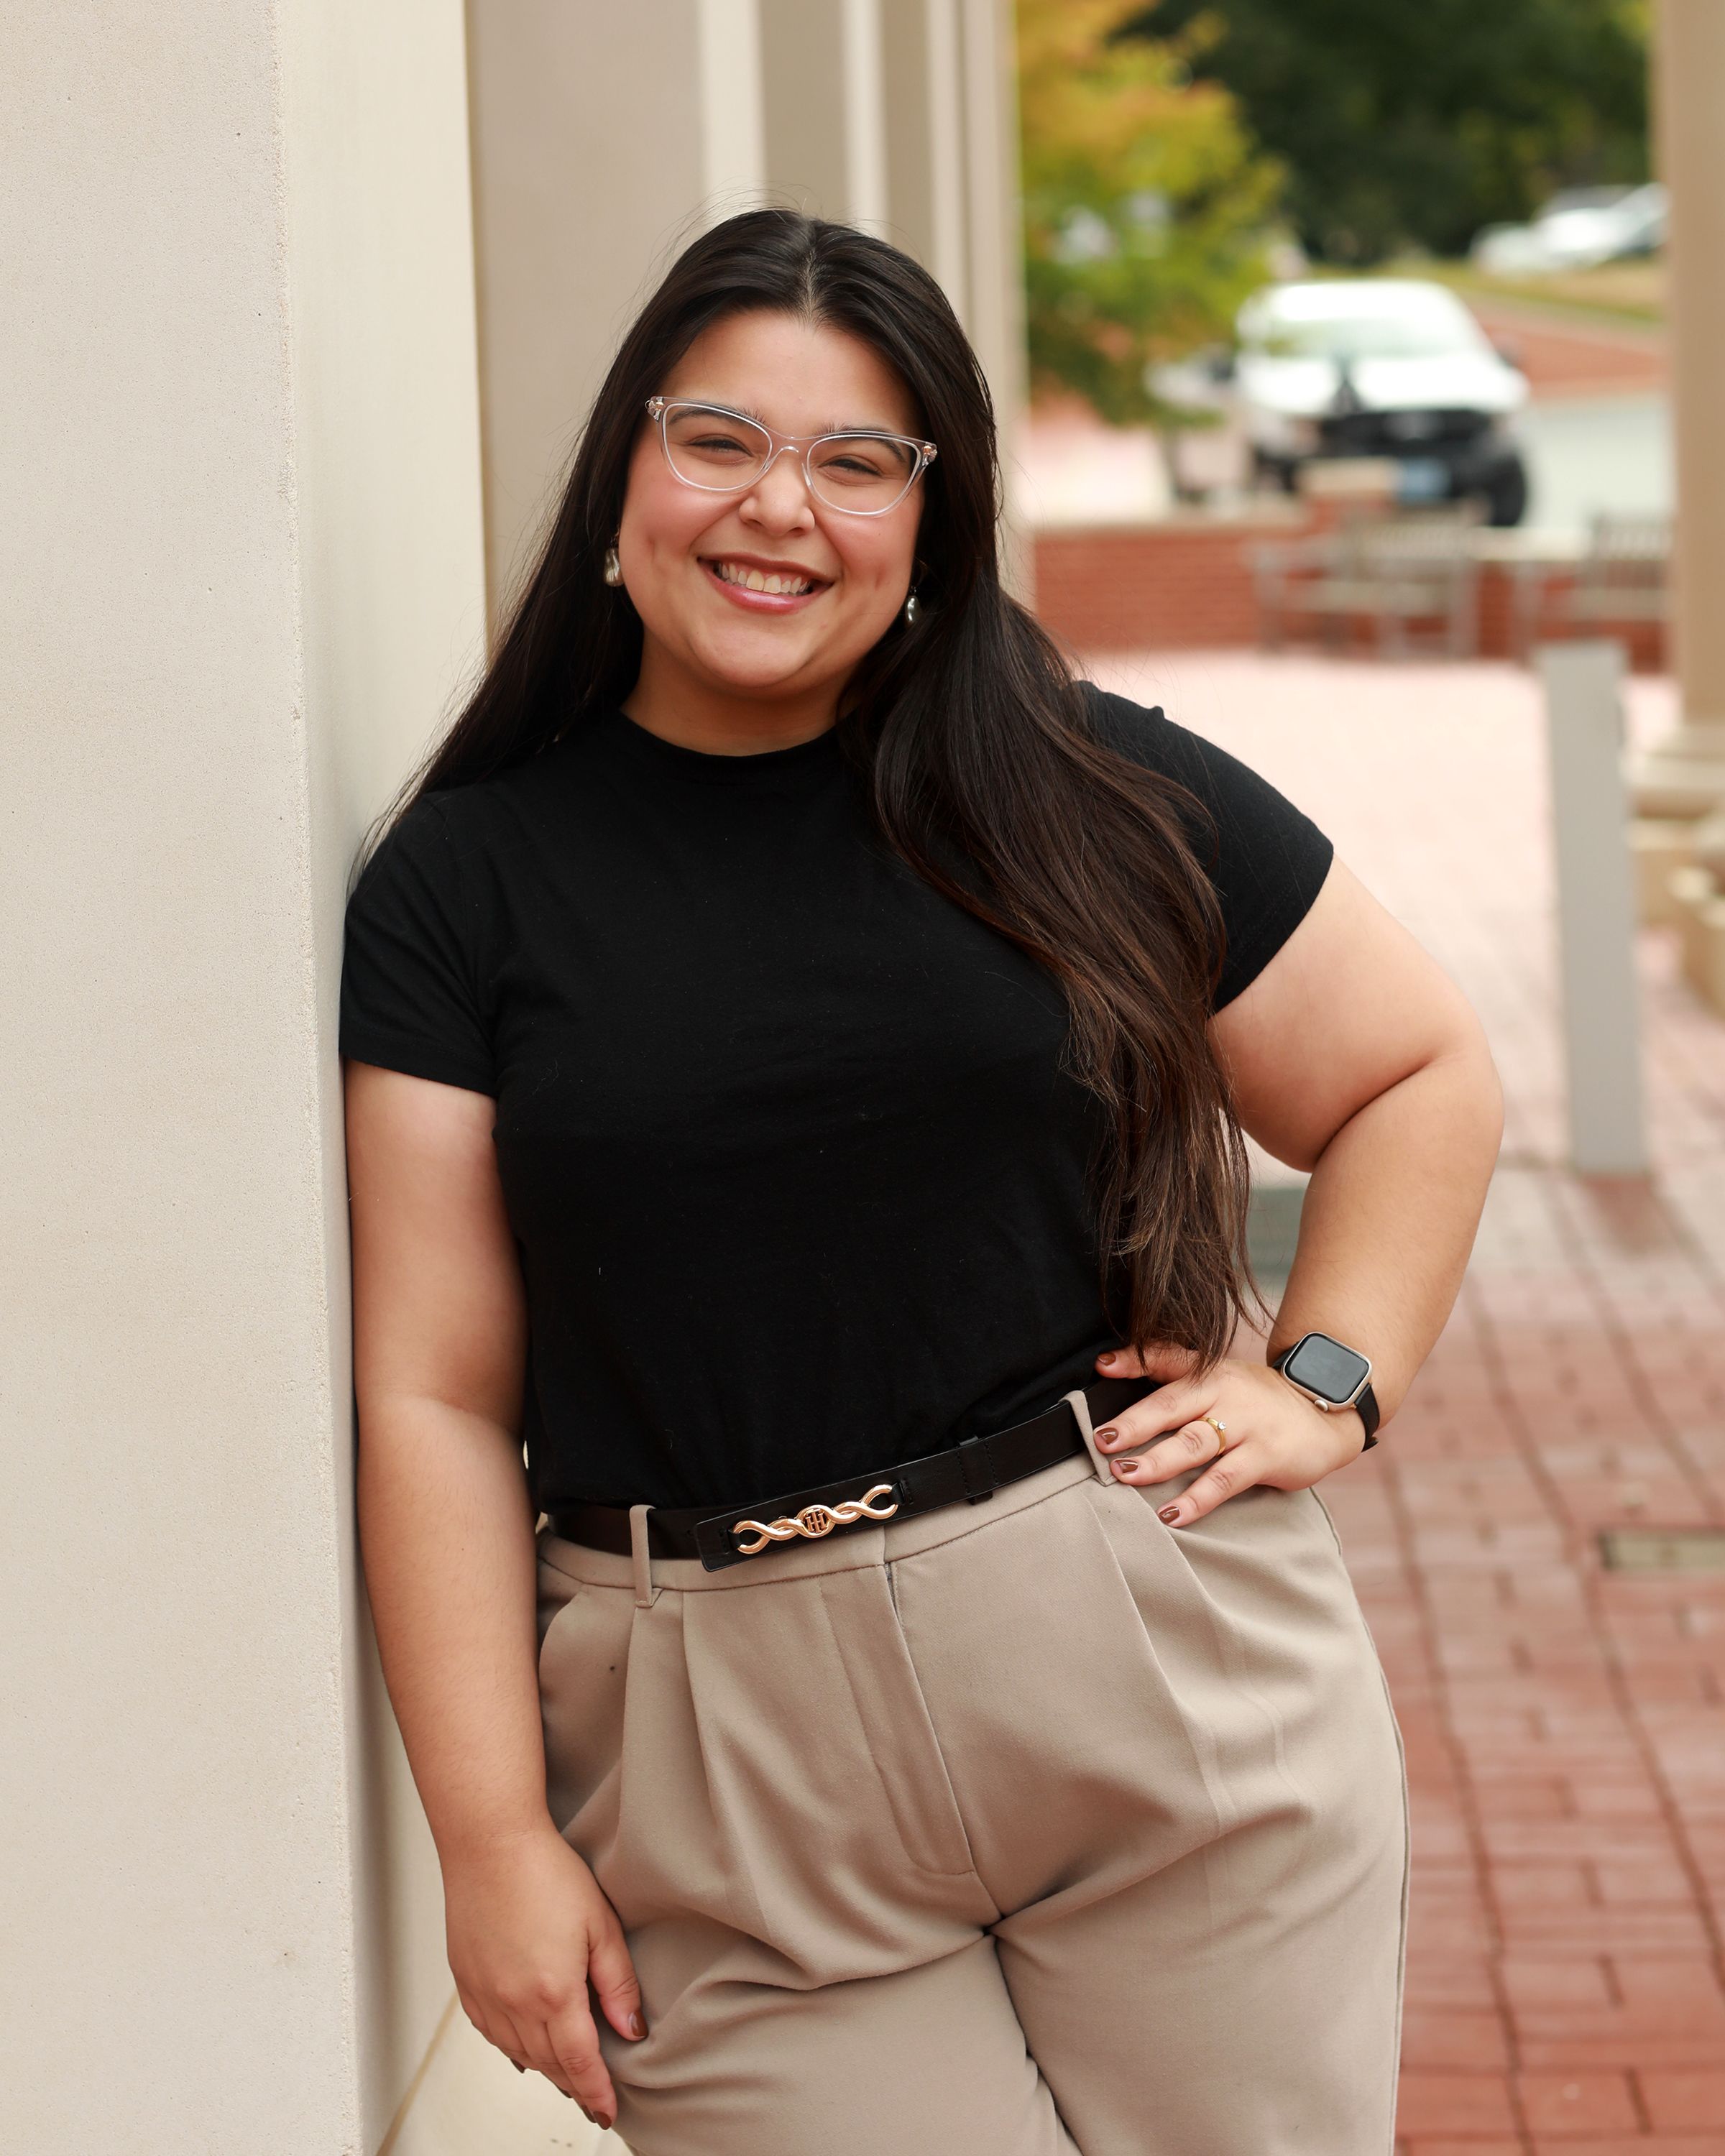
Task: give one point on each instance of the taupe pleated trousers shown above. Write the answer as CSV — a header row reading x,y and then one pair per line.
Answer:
x,y
1025,1828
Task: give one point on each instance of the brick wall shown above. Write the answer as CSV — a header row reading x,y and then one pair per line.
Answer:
x,y
1186,584
1150,587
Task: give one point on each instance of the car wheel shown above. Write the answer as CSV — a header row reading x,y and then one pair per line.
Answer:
x,y
1270,471
1507,493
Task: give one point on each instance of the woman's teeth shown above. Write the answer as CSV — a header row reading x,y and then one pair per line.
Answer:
x,y
759,580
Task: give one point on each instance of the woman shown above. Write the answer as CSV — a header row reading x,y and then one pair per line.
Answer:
x,y
799,1044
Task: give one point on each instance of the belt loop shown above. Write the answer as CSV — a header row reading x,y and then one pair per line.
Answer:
x,y
1081,1414
976,1464
646,1593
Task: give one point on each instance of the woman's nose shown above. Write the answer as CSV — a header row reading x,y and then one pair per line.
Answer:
x,y
779,497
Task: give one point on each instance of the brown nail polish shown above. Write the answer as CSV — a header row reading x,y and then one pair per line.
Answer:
x,y
1110,1357
634,2025
1109,1436
1123,1468
1171,1513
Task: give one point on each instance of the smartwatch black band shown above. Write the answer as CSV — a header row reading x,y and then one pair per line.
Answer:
x,y
1333,1376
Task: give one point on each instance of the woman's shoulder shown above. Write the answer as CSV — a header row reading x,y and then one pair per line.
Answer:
x,y
1265,857
420,848
1145,733
445,832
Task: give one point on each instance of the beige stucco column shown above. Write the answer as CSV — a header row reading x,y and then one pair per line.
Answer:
x,y
995,308
241,573
1687,773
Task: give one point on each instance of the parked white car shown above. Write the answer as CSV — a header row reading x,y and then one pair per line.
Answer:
x,y
1577,230
1381,367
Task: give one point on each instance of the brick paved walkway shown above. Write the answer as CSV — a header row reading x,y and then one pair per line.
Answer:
x,y
1565,1727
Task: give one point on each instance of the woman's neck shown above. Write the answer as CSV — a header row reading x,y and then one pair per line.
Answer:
x,y
672,703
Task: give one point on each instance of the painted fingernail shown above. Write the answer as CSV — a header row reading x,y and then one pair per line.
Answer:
x,y
1171,1514
1109,1357
634,2025
1123,1468
1109,1436
518,2067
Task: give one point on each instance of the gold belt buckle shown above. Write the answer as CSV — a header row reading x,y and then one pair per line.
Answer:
x,y
814,1520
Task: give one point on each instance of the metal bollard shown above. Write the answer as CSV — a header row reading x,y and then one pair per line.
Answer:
x,y
1596,906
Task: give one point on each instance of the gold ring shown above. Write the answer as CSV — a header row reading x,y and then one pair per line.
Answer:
x,y
1221,1430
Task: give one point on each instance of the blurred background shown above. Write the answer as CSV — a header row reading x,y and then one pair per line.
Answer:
x,y
1358,372
1180,157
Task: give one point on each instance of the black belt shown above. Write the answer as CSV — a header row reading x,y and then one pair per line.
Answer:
x,y
966,1473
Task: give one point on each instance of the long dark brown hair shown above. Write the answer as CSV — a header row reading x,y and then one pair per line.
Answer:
x,y
988,770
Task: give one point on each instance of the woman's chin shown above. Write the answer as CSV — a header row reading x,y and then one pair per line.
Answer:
x,y
759,665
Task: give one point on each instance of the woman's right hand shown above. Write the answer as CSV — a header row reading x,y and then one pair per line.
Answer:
x,y
529,1932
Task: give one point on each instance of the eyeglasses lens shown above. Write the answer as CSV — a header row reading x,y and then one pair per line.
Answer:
x,y
724,454
860,471
714,449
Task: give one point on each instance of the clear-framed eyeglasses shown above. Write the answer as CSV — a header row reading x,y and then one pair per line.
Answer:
x,y
723,452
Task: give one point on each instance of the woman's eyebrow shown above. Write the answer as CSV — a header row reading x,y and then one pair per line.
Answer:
x,y
724,404
837,426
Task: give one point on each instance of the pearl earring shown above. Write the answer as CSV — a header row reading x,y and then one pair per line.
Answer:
x,y
613,567
910,610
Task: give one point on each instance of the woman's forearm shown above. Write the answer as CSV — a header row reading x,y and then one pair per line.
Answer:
x,y
448,1535
1389,1217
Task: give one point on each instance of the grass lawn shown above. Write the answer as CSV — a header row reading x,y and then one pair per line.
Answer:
x,y
1620,292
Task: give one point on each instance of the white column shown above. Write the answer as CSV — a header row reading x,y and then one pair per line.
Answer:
x,y
242,575
947,249
733,125
925,137
995,316
1687,773
866,202
805,45
1596,907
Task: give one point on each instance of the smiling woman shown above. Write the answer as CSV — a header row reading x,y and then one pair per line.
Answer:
x,y
799,1042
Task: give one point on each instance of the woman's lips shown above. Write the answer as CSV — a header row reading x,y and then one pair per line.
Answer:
x,y
761,602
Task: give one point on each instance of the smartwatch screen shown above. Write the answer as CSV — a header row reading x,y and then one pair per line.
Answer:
x,y
1325,1367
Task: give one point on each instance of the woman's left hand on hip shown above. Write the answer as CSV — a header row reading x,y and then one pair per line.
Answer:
x,y
1244,1418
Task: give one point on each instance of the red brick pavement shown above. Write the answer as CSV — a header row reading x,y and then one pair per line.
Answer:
x,y
1565,1727
1570,358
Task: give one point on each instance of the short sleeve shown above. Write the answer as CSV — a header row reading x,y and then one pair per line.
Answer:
x,y
411,997
1266,858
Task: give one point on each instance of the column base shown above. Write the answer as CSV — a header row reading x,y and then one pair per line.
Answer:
x,y
1660,847
1684,775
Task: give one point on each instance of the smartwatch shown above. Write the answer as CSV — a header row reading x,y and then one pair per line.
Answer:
x,y
1332,1378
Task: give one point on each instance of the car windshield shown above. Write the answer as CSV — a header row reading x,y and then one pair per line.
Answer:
x,y
1435,334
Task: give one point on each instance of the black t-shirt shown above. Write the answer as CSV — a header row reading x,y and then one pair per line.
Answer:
x,y
801,1182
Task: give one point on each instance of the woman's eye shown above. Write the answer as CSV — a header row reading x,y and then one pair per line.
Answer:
x,y
854,462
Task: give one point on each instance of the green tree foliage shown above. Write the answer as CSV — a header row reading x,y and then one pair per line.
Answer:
x,y
1145,204
1414,122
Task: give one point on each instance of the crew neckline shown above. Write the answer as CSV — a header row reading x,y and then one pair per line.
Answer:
x,y
758,766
